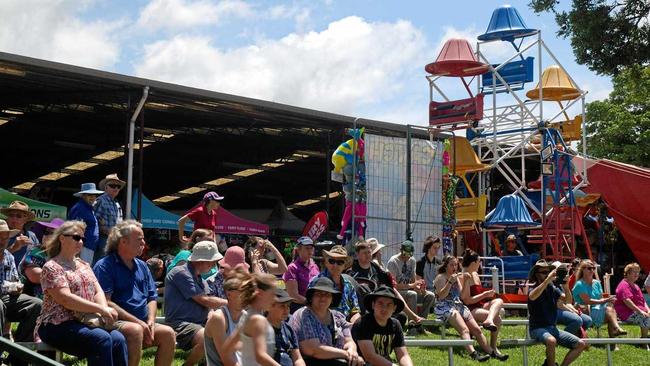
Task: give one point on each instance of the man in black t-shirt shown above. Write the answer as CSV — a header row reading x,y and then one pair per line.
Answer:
x,y
377,333
542,318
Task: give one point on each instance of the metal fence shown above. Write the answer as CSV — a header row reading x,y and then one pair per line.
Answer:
x,y
403,201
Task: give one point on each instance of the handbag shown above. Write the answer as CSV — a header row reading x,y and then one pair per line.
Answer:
x,y
93,320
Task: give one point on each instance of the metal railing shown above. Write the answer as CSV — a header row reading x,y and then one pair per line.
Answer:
x,y
25,353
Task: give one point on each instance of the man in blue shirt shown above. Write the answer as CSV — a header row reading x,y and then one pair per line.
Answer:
x,y
542,315
131,291
186,302
18,214
83,211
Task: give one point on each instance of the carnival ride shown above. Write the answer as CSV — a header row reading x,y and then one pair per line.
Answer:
x,y
508,128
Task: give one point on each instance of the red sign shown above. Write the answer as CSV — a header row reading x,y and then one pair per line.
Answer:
x,y
316,226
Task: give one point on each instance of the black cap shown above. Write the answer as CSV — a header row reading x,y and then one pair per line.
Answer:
x,y
282,296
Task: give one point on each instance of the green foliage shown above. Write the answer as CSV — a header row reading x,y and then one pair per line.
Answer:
x,y
606,35
618,128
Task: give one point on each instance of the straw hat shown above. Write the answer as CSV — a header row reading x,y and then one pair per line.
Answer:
x,y
4,228
19,206
111,178
538,265
338,252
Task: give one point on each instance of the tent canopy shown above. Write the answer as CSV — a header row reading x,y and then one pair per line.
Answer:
x,y
43,211
154,217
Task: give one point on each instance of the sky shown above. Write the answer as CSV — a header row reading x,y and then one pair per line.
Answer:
x,y
360,58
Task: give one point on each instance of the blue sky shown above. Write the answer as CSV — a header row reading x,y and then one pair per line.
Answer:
x,y
361,58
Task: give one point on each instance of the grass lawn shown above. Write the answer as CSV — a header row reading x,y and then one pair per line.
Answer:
x,y
595,356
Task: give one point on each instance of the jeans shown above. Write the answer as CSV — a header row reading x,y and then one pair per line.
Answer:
x,y
411,297
98,346
563,338
573,321
23,309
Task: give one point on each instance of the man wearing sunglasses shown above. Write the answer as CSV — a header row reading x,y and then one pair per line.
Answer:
x,y
542,315
108,210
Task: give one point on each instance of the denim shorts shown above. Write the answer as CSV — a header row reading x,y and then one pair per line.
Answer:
x,y
563,338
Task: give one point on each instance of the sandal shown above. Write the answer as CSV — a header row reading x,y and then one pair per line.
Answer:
x,y
499,356
490,327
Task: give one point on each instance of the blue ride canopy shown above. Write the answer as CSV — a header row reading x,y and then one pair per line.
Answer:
x,y
505,25
511,211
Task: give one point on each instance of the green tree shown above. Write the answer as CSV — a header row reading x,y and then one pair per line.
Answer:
x,y
606,35
618,128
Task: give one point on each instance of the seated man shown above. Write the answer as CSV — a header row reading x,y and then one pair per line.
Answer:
x,y
377,333
131,291
14,305
186,303
402,267
364,267
542,315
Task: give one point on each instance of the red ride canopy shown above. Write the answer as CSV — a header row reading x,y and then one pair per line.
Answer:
x,y
228,223
625,189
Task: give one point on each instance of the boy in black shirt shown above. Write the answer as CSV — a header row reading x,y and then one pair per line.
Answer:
x,y
377,333
542,310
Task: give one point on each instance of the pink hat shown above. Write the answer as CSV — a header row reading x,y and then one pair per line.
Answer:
x,y
234,258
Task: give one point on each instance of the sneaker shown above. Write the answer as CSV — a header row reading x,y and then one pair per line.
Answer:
x,y
479,357
412,332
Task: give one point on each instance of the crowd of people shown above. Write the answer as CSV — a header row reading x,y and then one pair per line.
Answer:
x,y
86,291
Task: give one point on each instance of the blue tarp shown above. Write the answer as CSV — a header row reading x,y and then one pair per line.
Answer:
x,y
511,211
154,217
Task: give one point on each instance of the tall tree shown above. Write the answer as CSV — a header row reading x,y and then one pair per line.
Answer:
x,y
606,35
618,128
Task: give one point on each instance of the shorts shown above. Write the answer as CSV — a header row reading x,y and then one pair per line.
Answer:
x,y
185,332
564,339
639,320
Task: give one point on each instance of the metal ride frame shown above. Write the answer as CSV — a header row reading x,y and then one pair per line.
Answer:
x,y
510,129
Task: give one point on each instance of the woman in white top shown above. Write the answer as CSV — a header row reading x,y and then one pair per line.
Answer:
x,y
256,333
223,322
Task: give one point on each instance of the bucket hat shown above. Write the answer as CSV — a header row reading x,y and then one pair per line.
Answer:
x,y
234,257
383,291
19,206
375,245
88,188
205,251
326,285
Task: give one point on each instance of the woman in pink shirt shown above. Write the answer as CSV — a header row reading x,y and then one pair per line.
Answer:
x,y
630,304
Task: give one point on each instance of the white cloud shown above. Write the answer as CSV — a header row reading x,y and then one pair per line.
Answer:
x,y
52,30
183,14
350,64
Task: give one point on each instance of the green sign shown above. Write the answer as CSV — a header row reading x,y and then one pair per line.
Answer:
x,y
43,211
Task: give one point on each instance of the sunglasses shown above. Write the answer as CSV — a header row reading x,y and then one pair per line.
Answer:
x,y
339,262
114,186
75,237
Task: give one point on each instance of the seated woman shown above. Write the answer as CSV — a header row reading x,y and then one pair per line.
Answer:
x,y
451,310
70,288
630,304
588,294
32,265
223,322
324,337
482,302
258,251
